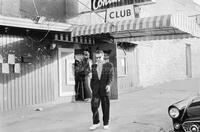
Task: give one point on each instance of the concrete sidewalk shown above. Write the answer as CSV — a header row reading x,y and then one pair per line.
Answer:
x,y
139,111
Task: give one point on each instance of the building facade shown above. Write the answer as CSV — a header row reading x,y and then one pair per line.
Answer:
x,y
151,53
37,53
32,61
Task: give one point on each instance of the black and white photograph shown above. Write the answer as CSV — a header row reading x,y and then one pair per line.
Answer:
x,y
100,65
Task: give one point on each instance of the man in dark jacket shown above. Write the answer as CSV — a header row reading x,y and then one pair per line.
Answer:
x,y
102,76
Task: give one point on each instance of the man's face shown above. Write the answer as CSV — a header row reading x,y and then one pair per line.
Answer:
x,y
86,56
99,58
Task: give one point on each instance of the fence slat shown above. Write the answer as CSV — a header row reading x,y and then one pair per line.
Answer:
x,y
5,96
33,84
1,92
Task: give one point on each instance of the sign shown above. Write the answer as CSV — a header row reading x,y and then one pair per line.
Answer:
x,y
17,68
1,59
70,71
11,59
5,68
105,4
96,4
120,13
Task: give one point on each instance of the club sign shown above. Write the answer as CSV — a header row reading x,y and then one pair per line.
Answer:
x,y
120,13
96,4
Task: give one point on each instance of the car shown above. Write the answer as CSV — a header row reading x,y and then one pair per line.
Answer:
x,y
185,115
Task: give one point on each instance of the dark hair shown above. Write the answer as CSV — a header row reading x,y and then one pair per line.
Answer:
x,y
99,52
86,53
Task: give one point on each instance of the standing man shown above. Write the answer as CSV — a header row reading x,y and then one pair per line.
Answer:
x,y
86,65
102,76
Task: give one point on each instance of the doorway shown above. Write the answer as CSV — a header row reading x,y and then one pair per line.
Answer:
x,y
66,71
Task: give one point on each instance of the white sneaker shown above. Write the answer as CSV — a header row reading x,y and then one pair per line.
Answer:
x,y
88,100
94,126
106,127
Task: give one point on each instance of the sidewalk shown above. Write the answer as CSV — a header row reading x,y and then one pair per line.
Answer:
x,y
140,111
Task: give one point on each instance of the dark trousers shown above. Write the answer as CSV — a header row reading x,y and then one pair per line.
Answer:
x,y
105,105
79,89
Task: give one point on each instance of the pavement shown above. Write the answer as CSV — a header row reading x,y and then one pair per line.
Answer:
x,y
142,110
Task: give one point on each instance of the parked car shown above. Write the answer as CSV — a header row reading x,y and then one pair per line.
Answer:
x,y
185,115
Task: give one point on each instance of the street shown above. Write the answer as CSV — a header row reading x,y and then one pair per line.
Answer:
x,y
142,110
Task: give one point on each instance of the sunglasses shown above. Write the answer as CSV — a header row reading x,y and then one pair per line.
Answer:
x,y
98,57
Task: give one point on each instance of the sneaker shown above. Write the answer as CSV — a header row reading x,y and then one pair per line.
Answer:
x,y
94,126
106,127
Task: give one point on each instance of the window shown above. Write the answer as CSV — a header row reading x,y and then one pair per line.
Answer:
x,y
122,66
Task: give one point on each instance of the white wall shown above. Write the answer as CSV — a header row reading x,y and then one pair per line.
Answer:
x,y
88,19
195,48
169,7
165,60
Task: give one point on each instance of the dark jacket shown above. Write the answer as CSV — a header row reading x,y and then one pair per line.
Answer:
x,y
86,66
98,85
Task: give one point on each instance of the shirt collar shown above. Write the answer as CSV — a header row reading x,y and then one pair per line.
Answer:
x,y
101,63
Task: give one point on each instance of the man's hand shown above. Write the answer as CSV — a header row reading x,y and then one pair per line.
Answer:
x,y
108,88
90,75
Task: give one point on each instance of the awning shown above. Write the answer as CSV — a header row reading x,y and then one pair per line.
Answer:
x,y
154,37
66,37
29,24
170,25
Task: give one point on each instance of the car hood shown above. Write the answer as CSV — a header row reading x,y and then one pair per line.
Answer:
x,y
193,110
182,104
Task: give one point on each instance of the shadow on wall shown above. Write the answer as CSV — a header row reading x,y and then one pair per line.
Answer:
x,y
34,82
29,54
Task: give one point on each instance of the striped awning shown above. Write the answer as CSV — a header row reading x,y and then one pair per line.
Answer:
x,y
66,37
176,24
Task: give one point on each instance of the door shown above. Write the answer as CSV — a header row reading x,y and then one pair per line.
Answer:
x,y
66,71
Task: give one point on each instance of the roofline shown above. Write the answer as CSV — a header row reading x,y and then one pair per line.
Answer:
x,y
29,24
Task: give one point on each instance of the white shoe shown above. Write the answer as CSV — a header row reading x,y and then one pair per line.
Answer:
x,y
94,126
106,127
88,100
